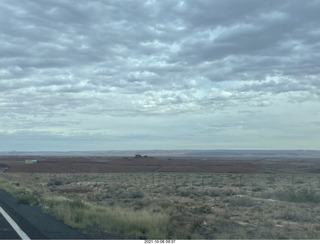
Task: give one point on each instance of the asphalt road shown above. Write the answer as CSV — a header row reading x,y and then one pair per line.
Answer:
x,y
6,231
36,224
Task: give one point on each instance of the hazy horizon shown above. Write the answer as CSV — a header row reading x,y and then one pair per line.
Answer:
x,y
79,75
173,153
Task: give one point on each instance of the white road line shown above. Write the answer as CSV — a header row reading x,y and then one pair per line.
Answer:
x,y
14,225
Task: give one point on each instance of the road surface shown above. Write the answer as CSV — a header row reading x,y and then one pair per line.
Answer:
x,y
6,230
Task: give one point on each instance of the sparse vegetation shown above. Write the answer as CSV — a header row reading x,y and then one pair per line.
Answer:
x,y
298,196
27,199
177,205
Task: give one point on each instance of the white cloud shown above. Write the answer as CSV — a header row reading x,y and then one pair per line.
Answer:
x,y
65,64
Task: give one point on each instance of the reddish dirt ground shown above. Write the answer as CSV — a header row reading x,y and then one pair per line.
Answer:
x,y
150,164
119,165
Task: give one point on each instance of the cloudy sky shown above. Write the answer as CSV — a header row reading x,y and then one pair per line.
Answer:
x,y
167,74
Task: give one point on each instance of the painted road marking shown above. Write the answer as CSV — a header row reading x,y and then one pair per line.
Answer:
x,y
14,225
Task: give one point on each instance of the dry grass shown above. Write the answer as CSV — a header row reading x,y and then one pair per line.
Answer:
x,y
179,205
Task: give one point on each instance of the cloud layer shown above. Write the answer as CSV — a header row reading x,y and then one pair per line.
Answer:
x,y
159,74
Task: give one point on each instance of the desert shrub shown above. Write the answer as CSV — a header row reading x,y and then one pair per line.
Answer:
x,y
257,188
11,187
76,204
299,181
271,180
140,224
228,192
205,209
257,208
242,202
213,193
78,216
95,197
136,194
185,193
298,196
114,219
72,212
164,204
27,199
296,216
54,182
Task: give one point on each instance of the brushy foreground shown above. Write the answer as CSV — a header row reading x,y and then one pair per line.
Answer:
x,y
176,205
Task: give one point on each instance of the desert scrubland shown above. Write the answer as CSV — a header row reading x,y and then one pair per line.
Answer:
x,y
172,198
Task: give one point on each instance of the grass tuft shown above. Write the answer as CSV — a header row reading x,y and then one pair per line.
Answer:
x,y
27,199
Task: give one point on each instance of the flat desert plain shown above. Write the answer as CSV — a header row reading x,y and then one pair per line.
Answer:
x,y
145,197
161,164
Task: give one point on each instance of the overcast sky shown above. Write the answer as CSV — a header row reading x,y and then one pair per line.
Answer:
x,y
130,74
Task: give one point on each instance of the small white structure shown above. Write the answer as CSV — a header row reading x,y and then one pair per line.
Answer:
x,y
30,161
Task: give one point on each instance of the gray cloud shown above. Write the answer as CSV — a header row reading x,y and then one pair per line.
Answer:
x,y
74,60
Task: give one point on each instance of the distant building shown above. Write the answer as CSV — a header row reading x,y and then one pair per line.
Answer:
x,y
30,161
